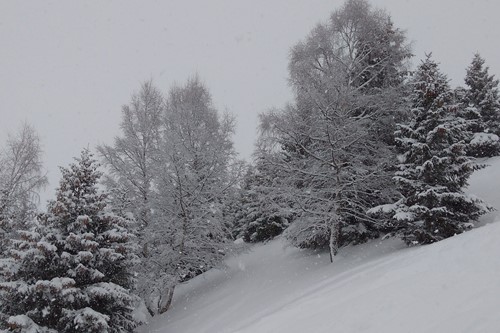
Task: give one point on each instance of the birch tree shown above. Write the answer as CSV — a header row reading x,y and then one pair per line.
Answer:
x,y
196,171
348,77
130,162
21,179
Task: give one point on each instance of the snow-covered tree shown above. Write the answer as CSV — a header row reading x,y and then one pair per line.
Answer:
x,y
482,92
433,167
130,161
131,164
481,105
195,173
21,177
333,173
72,272
357,52
263,211
332,142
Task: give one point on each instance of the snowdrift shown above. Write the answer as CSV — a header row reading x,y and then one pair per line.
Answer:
x,y
381,286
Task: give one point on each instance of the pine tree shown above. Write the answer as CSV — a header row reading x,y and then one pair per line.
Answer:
x,y
482,106
433,167
264,212
483,93
72,273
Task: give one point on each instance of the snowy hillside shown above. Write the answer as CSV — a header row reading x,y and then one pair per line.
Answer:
x,y
382,286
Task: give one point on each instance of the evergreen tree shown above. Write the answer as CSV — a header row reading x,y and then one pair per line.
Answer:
x,y
264,211
482,107
72,272
433,167
483,93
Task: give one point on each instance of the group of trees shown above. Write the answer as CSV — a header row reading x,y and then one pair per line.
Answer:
x,y
433,166
366,148
174,168
331,143
163,219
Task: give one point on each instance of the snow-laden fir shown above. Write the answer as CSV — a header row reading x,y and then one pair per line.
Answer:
x,y
381,286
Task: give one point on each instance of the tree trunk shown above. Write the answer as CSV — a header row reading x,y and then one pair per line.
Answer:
x,y
166,299
334,238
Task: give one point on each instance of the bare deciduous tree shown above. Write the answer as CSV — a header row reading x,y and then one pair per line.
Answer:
x,y
172,168
333,139
21,177
130,161
195,175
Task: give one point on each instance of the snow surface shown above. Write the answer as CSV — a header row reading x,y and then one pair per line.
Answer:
x,y
485,183
381,286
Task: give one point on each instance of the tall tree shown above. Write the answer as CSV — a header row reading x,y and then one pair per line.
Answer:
x,y
130,161
348,76
73,272
21,177
131,164
194,176
433,167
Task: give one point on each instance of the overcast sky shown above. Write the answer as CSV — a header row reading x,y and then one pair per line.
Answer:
x,y
67,67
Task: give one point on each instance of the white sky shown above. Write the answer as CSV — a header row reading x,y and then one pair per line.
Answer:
x,y
67,67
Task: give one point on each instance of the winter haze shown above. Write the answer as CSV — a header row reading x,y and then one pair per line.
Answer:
x,y
68,67
249,167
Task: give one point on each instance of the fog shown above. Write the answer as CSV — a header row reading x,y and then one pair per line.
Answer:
x,y
68,67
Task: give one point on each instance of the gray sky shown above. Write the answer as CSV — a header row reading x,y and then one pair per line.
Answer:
x,y
67,67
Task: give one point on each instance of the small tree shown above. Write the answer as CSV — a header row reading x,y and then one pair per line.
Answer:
x,y
482,92
482,106
433,167
72,273
264,212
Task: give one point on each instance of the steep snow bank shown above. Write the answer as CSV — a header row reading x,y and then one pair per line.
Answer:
x,y
382,286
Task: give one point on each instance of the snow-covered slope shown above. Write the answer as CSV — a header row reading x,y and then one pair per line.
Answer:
x,y
382,286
